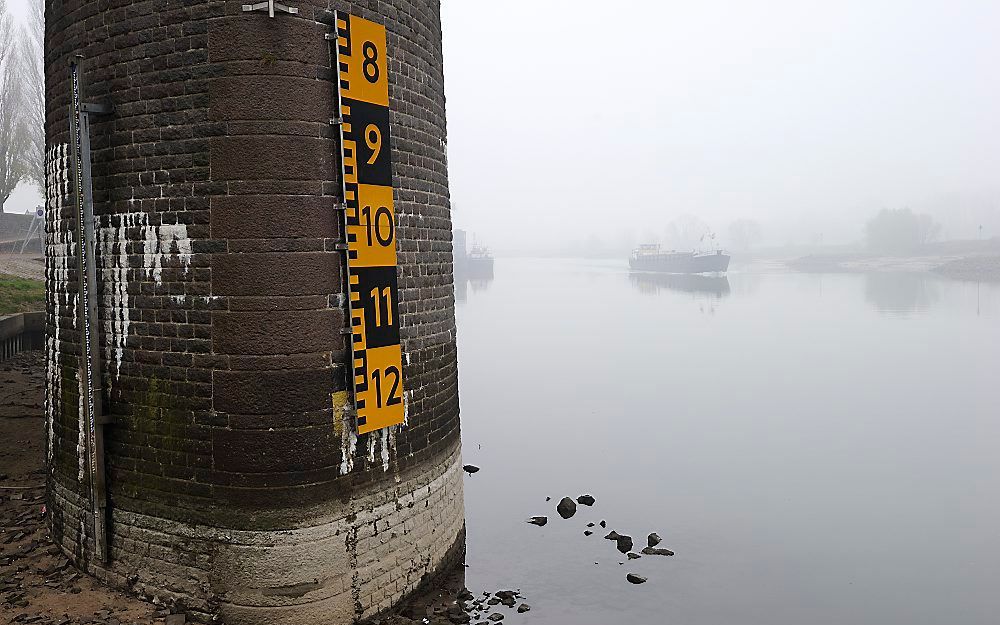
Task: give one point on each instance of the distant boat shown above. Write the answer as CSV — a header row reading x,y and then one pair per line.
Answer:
x,y
479,259
652,258
473,262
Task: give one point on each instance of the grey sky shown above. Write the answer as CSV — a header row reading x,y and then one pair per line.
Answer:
x,y
579,116
568,118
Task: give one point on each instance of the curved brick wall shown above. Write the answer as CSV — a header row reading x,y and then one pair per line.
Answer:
x,y
235,483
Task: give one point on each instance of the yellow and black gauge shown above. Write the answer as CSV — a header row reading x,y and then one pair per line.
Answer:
x,y
366,168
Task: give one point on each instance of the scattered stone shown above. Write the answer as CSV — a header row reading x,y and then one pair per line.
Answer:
x,y
586,500
470,469
587,533
175,619
603,523
590,525
653,539
540,521
494,601
507,597
624,543
465,595
635,579
496,617
524,607
566,508
633,556
548,499
653,551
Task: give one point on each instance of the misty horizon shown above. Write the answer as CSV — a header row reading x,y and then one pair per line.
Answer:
x,y
568,122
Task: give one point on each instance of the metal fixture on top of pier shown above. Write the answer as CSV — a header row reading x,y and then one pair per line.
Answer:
x,y
270,6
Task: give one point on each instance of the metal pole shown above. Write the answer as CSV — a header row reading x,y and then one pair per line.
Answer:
x,y
334,39
90,358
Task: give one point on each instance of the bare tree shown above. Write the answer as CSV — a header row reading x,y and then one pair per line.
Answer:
x,y
11,128
33,92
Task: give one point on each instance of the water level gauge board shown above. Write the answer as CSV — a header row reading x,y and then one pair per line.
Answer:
x,y
366,172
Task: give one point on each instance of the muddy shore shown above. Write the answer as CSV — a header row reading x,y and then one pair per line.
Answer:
x,y
37,583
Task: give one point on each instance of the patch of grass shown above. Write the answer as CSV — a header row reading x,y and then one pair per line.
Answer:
x,y
20,295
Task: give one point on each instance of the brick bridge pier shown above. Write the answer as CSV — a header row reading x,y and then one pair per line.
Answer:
x,y
237,485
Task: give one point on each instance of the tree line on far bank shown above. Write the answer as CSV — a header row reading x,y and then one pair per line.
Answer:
x,y
22,100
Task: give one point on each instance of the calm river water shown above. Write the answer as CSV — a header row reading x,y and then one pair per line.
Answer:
x,y
817,449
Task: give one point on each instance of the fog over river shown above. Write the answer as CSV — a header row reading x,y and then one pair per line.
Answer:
x,y
820,449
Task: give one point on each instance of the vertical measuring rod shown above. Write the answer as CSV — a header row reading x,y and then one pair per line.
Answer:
x,y
87,320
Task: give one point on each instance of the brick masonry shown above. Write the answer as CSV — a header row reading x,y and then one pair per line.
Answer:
x,y
237,485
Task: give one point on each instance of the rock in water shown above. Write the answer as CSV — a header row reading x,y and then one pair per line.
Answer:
x,y
635,579
496,617
603,523
507,597
653,551
540,521
653,539
612,535
587,533
624,544
566,507
590,525
633,556
524,607
470,469
585,500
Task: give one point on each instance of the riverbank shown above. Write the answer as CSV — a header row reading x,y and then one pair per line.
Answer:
x,y
975,268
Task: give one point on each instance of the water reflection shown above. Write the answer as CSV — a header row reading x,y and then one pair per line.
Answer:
x,y
901,293
653,283
476,280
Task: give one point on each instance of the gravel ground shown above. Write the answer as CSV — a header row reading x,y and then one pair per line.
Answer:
x,y
23,265
37,583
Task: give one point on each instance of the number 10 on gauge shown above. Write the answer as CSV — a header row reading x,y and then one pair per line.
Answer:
x,y
370,222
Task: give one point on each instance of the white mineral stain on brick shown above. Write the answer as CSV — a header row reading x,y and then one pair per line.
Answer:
x,y
115,276
348,443
159,245
371,450
159,242
385,442
58,250
81,451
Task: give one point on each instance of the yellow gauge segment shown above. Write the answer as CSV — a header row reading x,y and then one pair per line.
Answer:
x,y
376,360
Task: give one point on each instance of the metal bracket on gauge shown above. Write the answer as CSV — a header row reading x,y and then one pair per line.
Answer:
x,y
271,7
